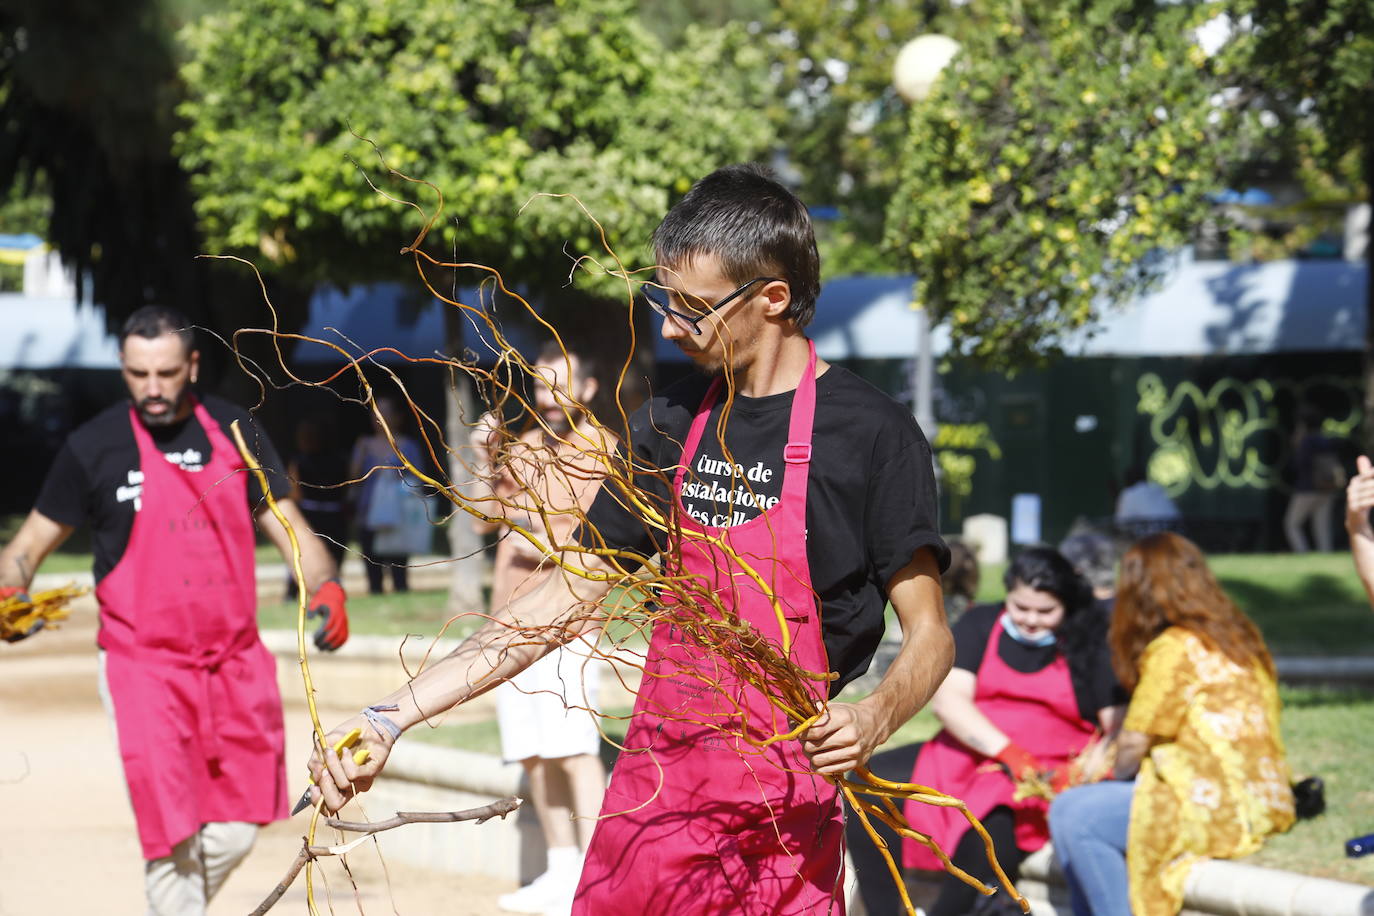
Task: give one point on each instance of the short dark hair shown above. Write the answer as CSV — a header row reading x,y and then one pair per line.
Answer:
x,y
1046,570
1082,635
152,321
754,225
552,351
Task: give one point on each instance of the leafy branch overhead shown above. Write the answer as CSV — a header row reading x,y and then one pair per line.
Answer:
x,y
493,101
1065,147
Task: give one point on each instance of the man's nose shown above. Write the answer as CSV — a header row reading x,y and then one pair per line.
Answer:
x,y
673,329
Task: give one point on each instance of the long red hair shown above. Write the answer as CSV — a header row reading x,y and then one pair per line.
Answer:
x,y
1165,582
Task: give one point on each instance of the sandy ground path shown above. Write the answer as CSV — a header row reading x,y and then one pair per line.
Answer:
x,y
68,843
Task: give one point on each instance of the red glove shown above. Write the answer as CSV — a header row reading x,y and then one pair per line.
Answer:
x,y
330,602
1020,763
13,591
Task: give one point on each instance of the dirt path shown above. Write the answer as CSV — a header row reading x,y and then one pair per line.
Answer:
x,y
68,845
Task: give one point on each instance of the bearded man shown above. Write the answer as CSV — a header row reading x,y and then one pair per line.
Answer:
x,y
184,676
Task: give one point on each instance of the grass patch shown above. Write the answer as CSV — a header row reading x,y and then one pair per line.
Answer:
x,y
420,612
485,737
61,561
1326,733
1304,604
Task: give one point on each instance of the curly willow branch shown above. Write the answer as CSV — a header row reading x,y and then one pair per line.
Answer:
x,y
317,729
647,592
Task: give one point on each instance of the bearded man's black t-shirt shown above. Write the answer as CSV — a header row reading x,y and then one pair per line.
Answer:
x,y
96,477
870,494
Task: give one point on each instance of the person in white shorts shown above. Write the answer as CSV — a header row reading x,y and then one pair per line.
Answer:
x,y
547,713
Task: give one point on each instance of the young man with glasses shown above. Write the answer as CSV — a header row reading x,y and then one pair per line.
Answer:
x,y
825,484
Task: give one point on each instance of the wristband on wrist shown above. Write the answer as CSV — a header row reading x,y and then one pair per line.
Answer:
x,y
383,724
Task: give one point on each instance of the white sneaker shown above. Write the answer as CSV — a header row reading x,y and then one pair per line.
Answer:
x,y
562,906
535,897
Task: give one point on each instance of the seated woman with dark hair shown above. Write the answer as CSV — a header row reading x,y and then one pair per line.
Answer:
x,y
1202,732
1031,687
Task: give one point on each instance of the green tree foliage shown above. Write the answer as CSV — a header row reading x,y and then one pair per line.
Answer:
x,y
670,19
843,125
1066,145
493,101
1310,64
86,95
1313,60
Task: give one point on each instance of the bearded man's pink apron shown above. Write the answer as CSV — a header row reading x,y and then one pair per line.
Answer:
x,y
695,819
1037,711
194,690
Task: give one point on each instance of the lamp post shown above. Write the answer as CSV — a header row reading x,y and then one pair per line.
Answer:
x,y
917,67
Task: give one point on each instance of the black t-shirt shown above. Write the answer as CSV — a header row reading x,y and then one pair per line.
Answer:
x,y
870,502
96,477
1093,693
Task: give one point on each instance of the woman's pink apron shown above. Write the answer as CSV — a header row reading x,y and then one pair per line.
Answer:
x,y
194,690
1037,711
696,820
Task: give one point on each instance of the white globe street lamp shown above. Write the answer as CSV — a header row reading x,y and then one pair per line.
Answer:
x,y
919,63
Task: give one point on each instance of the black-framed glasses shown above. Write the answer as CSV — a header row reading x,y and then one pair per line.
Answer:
x,y
659,298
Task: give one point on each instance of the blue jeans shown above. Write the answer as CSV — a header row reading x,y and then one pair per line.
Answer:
x,y
1088,827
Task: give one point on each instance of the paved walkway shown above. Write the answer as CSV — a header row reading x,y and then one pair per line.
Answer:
x,y
68,844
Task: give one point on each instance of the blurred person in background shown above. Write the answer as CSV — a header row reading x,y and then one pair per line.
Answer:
x,y
1200,769
1144,503
546,712
1318,475
1359,501
317,470
381,491
1031,688
190,687
960,580
1093,556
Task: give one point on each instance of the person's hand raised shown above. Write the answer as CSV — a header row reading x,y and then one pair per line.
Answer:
x,y
1359,499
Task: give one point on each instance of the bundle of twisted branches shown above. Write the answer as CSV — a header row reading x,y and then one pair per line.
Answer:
x,y
19,613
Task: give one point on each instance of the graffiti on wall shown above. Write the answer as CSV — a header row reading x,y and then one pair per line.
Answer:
x,y
1235,434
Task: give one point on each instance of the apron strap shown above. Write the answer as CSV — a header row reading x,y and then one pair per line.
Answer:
x,y
796,454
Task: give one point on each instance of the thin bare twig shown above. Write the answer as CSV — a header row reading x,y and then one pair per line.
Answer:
x,y
309,853
485,813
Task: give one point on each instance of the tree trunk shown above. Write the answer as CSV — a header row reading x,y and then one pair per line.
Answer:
x,y
470,567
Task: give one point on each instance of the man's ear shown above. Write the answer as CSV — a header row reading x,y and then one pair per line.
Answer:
x,y
590,387
195,365
778,298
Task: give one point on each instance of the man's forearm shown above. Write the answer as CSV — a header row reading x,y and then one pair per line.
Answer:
x,y
16,567
316,563
922,662
516,636
37,537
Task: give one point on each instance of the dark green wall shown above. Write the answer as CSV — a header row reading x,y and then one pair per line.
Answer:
x,y
1216,430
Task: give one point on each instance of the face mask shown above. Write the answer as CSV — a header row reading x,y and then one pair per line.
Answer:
x,y
1044,639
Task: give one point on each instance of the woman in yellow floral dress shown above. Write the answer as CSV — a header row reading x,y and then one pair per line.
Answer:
x,y
1201,740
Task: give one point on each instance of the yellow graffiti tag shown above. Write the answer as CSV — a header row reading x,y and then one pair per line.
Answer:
x,y
1229,435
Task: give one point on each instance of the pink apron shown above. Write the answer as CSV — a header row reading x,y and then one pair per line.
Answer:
x,y
194,690
695,820
1039,712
